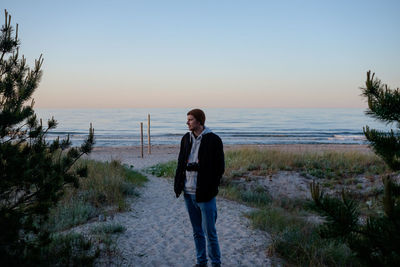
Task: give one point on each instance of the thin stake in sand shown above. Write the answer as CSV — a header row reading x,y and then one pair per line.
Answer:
x,y
148,136
141,138
148,133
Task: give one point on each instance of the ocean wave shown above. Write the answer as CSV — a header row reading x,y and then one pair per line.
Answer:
x,y
346,137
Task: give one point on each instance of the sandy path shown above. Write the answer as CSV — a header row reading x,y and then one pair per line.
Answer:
x,y
158,231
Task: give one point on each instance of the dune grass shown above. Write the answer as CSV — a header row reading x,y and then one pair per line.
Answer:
x,y
104,191
321,164
107,185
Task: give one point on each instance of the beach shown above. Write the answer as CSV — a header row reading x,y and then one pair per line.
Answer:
x,y
158,227
310,130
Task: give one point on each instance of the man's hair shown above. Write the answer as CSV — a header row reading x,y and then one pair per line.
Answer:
x,y
198,114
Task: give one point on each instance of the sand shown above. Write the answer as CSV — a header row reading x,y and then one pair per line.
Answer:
x,y
158,227
132,155
158,232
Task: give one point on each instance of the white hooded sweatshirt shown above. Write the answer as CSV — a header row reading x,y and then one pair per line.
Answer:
x,y
191,176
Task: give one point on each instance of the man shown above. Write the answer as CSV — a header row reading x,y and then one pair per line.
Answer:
x,y
200,168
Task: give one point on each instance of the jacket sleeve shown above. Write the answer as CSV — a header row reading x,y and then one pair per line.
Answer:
x,y
220,158
180,168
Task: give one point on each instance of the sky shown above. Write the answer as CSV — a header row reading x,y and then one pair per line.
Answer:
x,y
208,54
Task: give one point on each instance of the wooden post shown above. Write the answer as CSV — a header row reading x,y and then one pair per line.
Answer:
x,y
141,138
148,133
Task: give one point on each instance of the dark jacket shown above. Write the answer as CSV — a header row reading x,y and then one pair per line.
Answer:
x,y
211,166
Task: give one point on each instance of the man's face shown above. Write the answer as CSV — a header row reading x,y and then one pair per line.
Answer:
x,y
192,123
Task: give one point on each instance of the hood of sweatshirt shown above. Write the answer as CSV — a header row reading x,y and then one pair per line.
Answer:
x,y
198,138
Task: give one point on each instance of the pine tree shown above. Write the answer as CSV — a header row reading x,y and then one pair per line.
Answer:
x,y
33,172
375,239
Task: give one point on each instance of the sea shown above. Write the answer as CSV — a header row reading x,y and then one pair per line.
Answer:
x,y
121,127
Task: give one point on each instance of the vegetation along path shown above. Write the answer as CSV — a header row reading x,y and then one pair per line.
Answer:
x,y
158,231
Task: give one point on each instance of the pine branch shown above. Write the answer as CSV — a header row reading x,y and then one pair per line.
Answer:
x,y
383,102
341,215
386,145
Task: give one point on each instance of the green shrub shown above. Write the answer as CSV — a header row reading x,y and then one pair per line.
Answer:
x,y
297,240
274,219
70,213
304,247
163,169
69,250
257,197
134,177
108,228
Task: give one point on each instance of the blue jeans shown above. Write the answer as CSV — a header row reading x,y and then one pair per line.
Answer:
x,y
203,216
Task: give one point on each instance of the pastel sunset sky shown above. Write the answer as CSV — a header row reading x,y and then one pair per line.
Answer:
x,y
227,53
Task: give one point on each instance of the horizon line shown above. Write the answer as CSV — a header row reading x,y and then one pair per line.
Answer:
x,y
200,107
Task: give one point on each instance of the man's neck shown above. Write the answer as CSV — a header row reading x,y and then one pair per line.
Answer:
x,y
198,131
